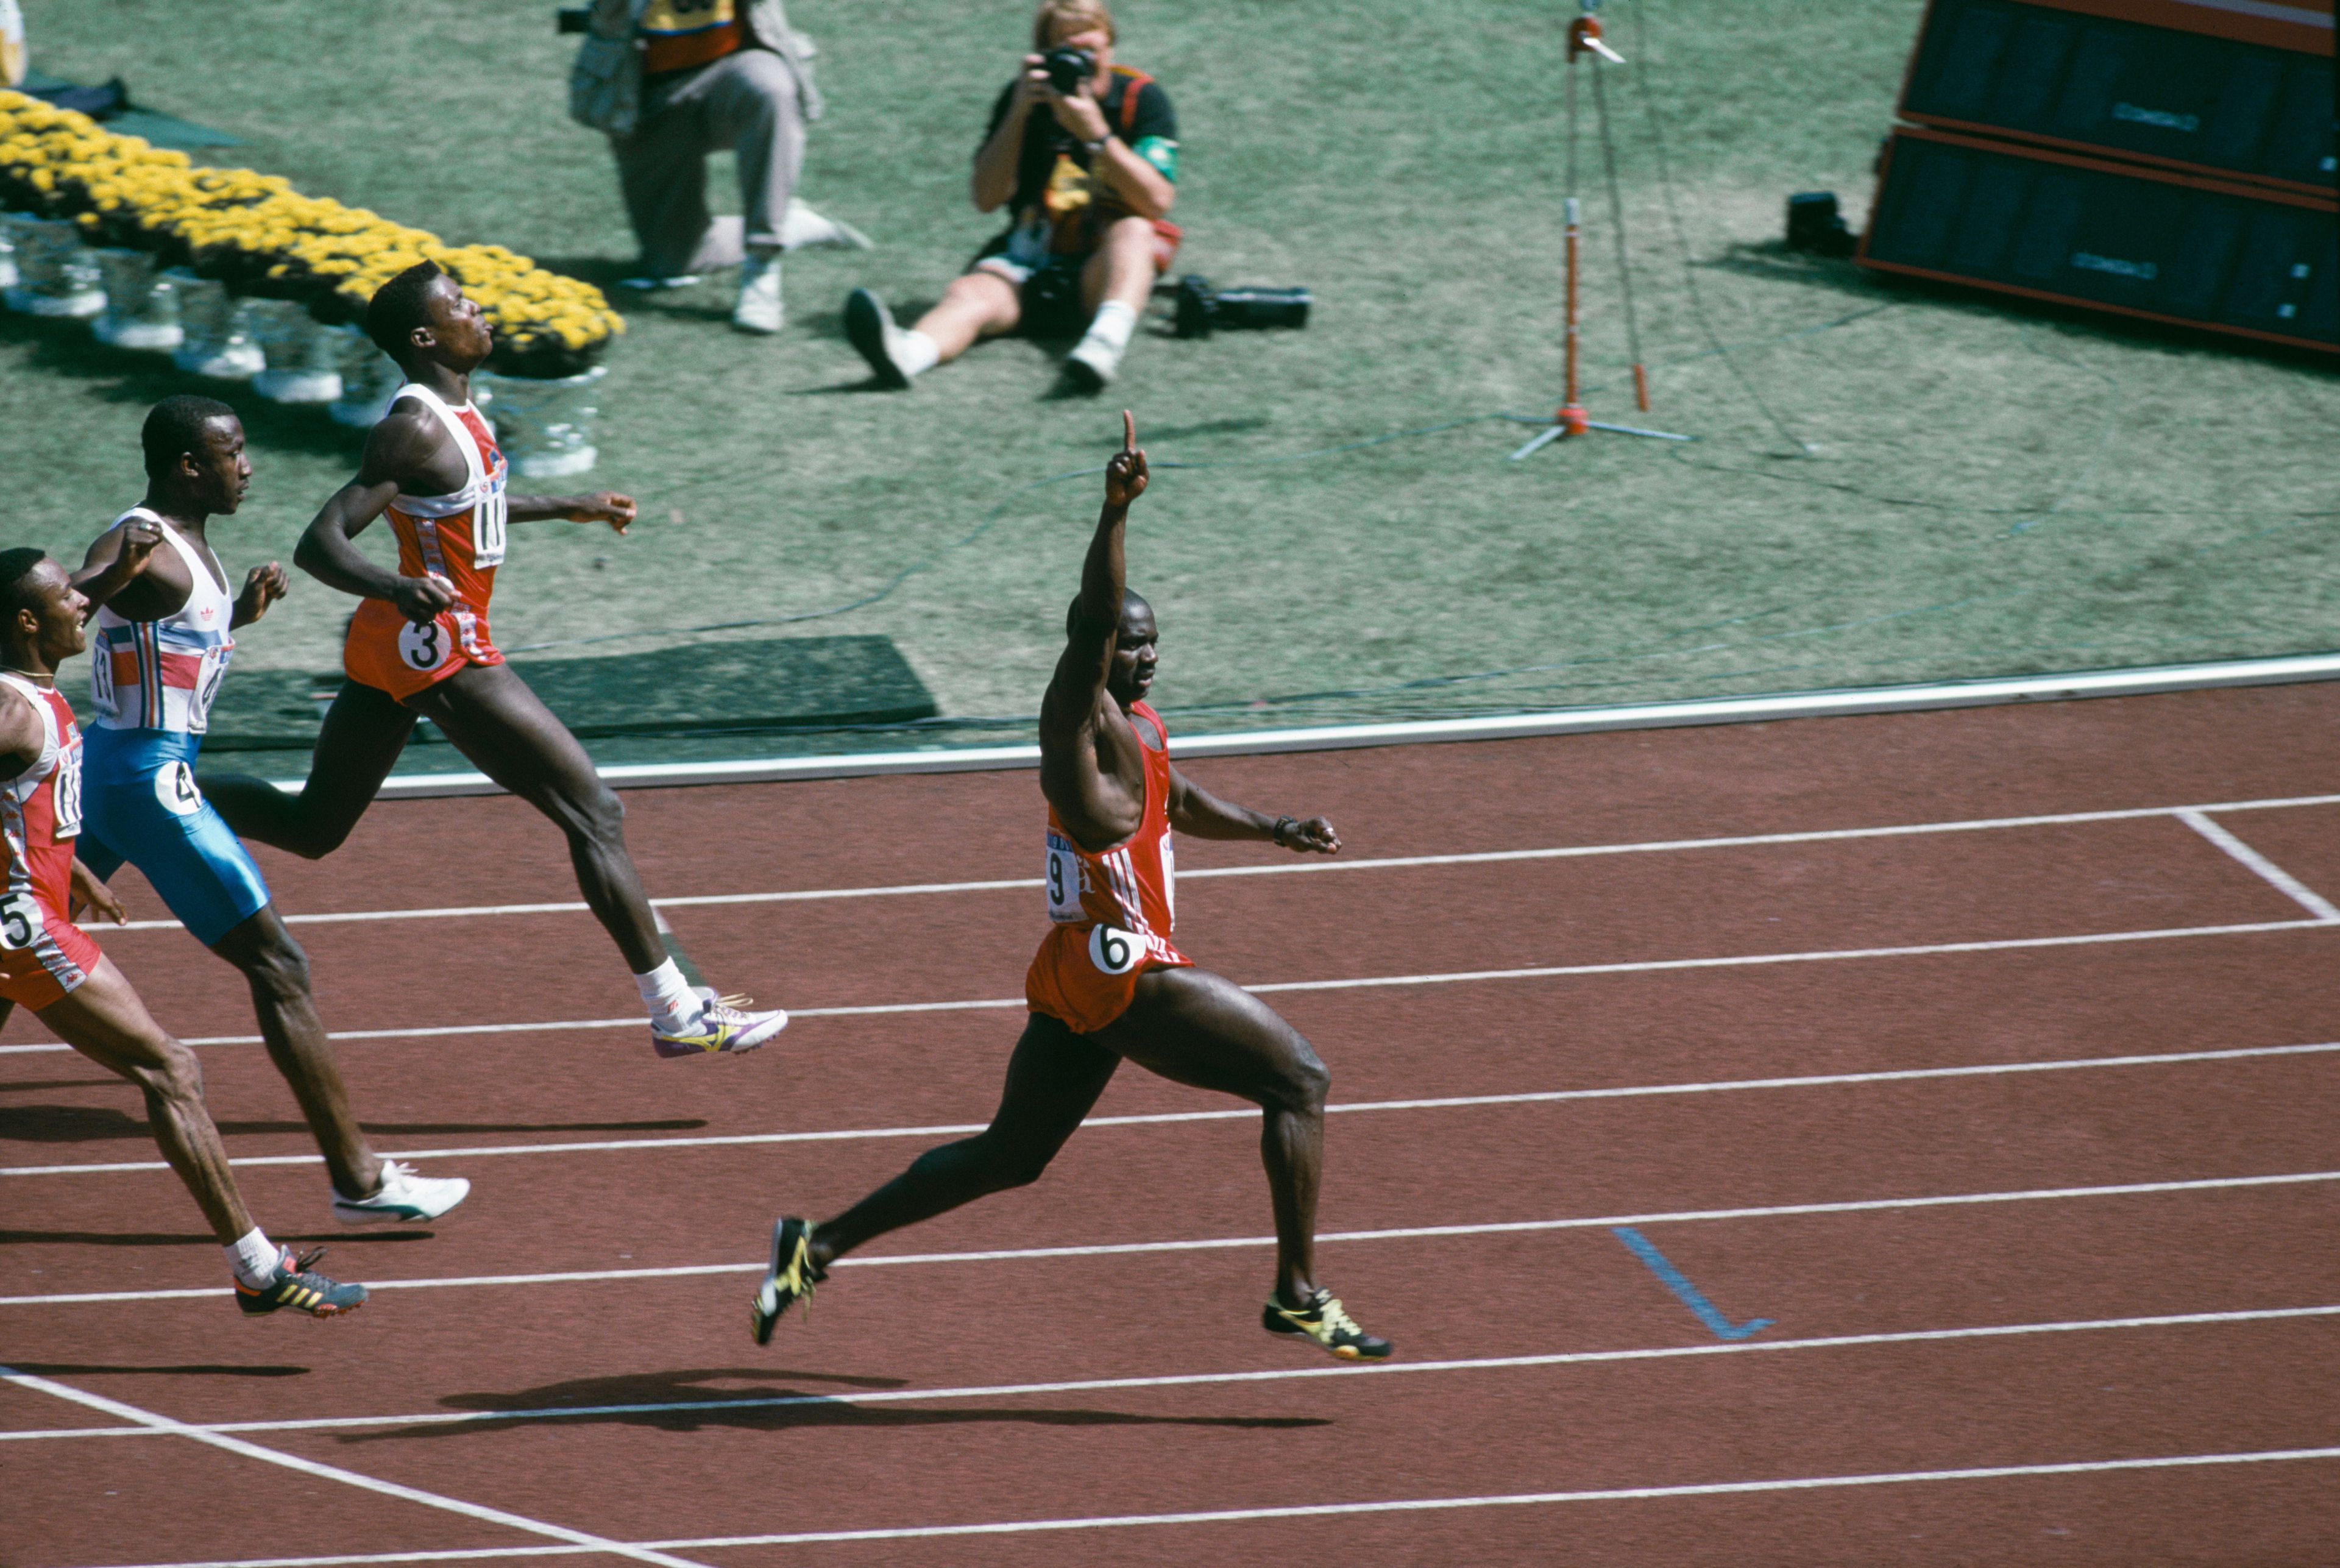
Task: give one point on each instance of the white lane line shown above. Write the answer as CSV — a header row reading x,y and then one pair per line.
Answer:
x,y
1297,868
1215,1243
1463,976
164,1425
2282,881
1653,966
1164,1118
1333,1510
1206,1379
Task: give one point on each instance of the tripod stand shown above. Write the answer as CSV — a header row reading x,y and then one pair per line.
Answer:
x,y
1585,43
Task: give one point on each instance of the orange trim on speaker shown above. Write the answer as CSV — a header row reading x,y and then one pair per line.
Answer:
x,y
2118,164
2257,185
2268,21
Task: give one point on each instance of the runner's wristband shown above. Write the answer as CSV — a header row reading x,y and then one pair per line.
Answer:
x,y
1282,825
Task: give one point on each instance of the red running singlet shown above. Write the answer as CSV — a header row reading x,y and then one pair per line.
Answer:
x,y
42,954
1114,909
461,537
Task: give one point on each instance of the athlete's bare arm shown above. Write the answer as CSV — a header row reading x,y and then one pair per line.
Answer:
x,y
21,735
1092,766
602,506
1195,811
123,568
262,585
408,451
89,893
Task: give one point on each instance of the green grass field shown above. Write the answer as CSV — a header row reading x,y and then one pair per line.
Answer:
x,y
1986,491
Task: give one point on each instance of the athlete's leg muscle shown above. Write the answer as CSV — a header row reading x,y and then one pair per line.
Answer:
x,y
103,1019
1053,1080
364,731
1195,1027
494,719
277,970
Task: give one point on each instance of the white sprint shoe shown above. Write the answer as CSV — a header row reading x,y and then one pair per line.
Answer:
x,y
724,1027
404,1199
803,229
759,309
1092,362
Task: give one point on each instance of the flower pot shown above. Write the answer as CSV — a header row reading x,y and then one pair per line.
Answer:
x,y
545,427
370,379
54,276
218,341
142,308
303,358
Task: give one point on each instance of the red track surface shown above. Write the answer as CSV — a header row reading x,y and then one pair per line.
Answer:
x,y
905,1402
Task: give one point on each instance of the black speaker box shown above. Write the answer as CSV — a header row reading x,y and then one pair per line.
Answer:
x,y
2223,105
2233,258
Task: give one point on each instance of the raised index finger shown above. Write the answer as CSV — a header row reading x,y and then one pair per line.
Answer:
x,y
1128,432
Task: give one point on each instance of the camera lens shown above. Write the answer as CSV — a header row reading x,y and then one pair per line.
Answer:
x,y
1068,69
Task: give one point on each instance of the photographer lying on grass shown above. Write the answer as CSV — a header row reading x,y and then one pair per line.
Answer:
x,y
1084,154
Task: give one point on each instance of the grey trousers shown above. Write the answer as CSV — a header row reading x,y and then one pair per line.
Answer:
x,y
747,102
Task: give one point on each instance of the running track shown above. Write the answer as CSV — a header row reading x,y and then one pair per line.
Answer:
x,y
1994,1063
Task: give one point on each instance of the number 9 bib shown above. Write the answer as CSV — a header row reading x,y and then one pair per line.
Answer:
x,y
1116,951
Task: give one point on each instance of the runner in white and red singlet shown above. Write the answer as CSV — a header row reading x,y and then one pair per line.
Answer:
x,y
1107,983
419,646
49,965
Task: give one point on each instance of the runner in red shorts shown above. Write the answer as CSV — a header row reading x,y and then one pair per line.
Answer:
x,y
419,646
50,966
1107,985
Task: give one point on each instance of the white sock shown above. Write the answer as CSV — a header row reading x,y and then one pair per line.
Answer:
x,y
674,1005
915,353
1113,322
254,1258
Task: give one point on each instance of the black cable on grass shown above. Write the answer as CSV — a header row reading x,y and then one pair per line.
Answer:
x,y
1616,215
1681,238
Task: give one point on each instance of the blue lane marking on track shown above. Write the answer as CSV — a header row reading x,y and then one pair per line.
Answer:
x,y
1672,1277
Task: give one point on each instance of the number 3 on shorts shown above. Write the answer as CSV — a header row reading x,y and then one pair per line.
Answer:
x,y
419,645
20,922
1113,950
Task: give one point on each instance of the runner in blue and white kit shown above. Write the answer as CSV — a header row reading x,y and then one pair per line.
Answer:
x,y
164,641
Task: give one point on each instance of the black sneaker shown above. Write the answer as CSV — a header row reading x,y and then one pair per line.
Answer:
x,y
790,1279
1320,1318
296,1287
869,328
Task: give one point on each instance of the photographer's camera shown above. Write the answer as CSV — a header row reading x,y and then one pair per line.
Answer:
x,y
1067,68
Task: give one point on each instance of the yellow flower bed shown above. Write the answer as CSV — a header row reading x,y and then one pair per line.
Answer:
x,y
263,237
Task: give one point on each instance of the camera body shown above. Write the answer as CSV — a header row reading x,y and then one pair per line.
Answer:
x,y
1067,68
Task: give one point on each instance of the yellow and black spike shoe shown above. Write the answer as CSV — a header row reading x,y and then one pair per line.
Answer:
x,y
724,1026
790,1279
297,1287
1320,1318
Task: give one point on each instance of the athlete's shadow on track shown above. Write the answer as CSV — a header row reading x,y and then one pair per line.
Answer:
x,y
188,1238
688,1401
96,1124
84,1369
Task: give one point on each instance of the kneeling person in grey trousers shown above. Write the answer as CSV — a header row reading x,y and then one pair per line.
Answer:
x,y
672,81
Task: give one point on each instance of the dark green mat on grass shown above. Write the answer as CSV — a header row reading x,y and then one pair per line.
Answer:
x,y
779,684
